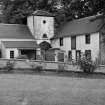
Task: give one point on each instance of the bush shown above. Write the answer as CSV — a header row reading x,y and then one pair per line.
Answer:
x,y
87,65
22,57
36,68
60,68
9,65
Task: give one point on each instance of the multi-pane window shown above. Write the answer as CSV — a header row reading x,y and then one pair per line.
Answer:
x,y
11,54
87,38
88,54
61,41
73,42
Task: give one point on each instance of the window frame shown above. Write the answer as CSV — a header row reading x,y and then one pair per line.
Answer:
x,y
69,55
86,54
73,44
12,54
87,38
61,41
78,57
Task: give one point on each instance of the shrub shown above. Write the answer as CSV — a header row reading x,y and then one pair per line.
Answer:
x,y
87,65
9,65
38,68
22,57
60,68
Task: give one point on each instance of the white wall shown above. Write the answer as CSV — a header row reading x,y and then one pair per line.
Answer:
x,y
30,24
6,52
16,53
80,44
40,28
93,46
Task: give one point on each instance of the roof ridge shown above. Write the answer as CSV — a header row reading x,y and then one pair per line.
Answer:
x,y
88,17
12,24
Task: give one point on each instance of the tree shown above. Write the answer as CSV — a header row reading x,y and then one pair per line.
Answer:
x,y
16,11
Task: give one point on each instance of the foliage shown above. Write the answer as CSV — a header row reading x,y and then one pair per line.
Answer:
x,y
87,65
36,68
22,57
9,65
16,11
60,68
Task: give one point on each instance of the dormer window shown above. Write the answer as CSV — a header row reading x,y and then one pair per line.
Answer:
x,y
45,36
44,21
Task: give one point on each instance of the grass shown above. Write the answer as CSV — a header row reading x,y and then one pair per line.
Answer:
x,y
25,89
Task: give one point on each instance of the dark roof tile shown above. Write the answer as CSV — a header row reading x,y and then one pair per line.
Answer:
x,y
15,31
20,44
42,13
80,27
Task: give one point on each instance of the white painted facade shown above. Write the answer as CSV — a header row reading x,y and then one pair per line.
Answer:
x,y
40,25
80,45
6,52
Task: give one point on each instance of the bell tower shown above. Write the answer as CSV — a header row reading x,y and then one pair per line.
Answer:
x,y
41,25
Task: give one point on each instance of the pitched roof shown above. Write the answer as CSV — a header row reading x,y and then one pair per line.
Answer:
x,y
20,44
80,27
15,31
42,13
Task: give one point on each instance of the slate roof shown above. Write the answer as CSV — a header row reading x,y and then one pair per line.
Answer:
x,y
15,31
42,13
20,44
80,27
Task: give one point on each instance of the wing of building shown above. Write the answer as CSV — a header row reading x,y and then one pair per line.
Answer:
x,y
82,36
16,39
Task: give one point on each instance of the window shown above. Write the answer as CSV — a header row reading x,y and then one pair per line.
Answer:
x,y
87,38
61,57
44,21
73,42
61,41
88,54
11,54
78,54
45,36
69,56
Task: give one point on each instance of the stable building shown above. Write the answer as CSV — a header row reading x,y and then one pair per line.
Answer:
x,y
82,36
16,40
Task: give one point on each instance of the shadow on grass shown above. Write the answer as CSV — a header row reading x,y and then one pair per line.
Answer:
x,y
72,74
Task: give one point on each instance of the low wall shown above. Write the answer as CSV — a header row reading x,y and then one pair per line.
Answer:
x,y
47,65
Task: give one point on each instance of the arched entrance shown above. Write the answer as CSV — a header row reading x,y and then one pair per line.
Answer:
x,y
44,46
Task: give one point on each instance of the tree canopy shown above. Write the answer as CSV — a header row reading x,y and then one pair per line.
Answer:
x,y
16,11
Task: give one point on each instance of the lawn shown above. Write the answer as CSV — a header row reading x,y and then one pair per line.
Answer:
x,y
20,89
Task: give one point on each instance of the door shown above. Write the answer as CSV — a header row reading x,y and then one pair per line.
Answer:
x,y
78,55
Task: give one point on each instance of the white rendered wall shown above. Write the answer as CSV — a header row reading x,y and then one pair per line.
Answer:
x,y
38,28
93,46
80,45
16,52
